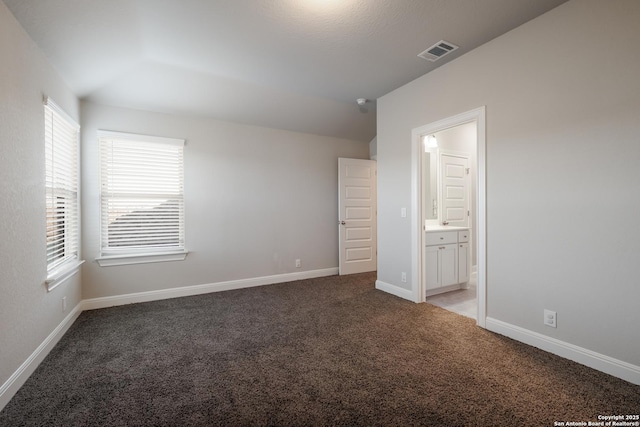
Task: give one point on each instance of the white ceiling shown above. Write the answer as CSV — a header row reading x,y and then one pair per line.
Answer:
x,y
287,64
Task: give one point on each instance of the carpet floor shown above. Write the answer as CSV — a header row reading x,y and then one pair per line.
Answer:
x,y
327,351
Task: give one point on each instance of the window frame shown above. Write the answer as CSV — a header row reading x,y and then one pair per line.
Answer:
x,y
111,256
62,189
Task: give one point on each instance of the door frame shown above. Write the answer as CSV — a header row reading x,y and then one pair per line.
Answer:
x,y
478,116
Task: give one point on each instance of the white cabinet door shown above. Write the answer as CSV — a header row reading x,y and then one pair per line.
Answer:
x,y
463,262
448,264
441,266
431,267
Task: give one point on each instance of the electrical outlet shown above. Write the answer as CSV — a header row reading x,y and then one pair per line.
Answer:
x,y
550,318
64,304
298,265
404,277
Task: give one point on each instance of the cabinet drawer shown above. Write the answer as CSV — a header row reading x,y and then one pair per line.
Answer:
x,y
441,238
463,236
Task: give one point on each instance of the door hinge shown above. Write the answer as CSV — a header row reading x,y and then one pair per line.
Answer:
x,y
467,170
468,213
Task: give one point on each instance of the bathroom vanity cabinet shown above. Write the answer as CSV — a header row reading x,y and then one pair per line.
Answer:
x,y
446,259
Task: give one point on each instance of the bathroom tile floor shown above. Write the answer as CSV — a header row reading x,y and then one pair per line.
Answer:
x,y
462,301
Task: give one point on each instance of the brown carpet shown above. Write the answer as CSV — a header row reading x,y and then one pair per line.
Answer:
x,y
327,351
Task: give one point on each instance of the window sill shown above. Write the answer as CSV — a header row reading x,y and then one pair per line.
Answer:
x,y
62,273
140,258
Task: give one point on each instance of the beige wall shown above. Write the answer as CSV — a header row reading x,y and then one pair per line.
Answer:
x,y
562,98
28,314
255,200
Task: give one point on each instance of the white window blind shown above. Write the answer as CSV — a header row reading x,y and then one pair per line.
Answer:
x,y
142,203
61,183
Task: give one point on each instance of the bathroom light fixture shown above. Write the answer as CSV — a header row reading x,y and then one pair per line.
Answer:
x,y
429,141
361,101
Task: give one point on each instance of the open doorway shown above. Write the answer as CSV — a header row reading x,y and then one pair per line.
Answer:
x,y
449,197
429,213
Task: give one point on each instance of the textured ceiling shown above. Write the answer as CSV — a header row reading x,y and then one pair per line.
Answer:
x,y
288,64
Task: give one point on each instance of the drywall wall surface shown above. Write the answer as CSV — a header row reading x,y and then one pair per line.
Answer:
x,y
28,313
256,199
562,105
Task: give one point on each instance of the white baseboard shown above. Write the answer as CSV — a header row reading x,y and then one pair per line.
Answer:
x,y
103,302
394,290
600,362
13,384
15,381
609,365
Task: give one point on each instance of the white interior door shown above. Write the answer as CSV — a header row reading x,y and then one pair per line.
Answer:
x,y
455,189
357,221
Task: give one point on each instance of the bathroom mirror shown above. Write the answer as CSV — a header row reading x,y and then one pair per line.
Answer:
x,y
430,184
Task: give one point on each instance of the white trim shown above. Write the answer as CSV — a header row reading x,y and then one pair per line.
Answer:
x,y
477,115
603,363
395,290
18,378
129,259
443,289
62,273
62,167
55,107
119,154
454,153
108,134
417,226
600,362
103,302
481,218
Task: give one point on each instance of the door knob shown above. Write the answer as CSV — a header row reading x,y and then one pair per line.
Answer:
x,y
341,222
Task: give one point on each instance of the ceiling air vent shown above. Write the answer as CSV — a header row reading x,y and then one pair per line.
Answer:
x,y
438,50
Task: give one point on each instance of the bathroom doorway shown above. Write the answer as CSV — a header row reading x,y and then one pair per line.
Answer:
x,y
453,202
463,136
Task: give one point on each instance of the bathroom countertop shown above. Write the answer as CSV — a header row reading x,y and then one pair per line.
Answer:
x,y
433,228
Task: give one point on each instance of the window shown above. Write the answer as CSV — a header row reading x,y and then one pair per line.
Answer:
x,y
61,185
142,201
